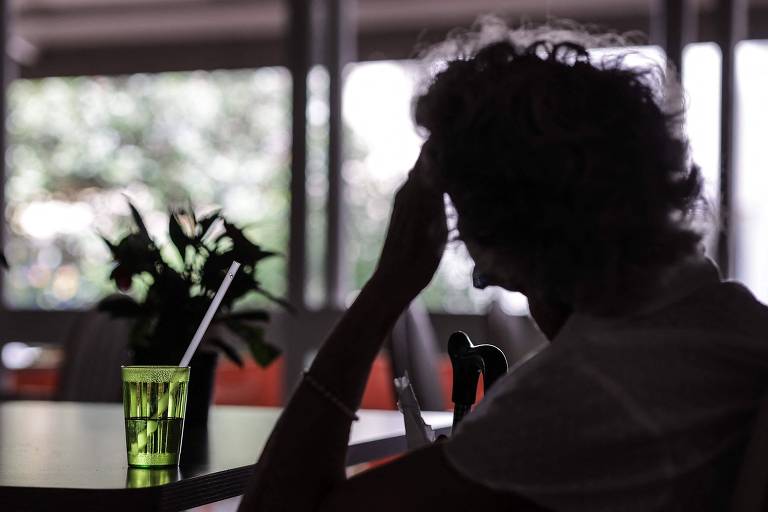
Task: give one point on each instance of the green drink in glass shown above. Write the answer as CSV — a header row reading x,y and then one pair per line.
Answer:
x,y
154,400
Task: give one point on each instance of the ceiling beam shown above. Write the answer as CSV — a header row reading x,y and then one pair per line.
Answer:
x,y
373,43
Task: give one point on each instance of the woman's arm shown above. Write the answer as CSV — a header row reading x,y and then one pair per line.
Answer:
x,y
306,453
421,481
305,456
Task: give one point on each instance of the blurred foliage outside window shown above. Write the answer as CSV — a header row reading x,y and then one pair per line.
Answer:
x,y
750,215
77,146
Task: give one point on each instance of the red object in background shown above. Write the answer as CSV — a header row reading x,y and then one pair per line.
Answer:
x,y
446,379
253,385
380,394
250,385
380,389
36,383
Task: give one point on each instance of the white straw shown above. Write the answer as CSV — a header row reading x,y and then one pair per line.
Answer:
x,y
209,314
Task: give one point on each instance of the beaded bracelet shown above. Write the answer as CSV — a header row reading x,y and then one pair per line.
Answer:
x,y
329,396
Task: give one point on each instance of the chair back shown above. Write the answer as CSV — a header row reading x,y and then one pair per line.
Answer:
x,y
94,350
751,487
413,349
517,336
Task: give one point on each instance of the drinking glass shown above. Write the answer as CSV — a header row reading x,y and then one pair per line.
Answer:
x,y
154,400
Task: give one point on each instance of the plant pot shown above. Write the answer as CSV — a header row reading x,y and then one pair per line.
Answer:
x,y
200,393
201,381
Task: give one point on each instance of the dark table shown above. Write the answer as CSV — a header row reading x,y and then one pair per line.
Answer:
x,y
62,456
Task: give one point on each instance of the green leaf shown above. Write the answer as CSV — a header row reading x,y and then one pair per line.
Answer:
x,y
214,269
277,300
208,221
256,315
177,235
112,247
228,350
261,351
121,269
138,220
137,254
191,211
241,285
243,249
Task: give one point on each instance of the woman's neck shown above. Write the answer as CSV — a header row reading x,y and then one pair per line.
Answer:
x,y
550,315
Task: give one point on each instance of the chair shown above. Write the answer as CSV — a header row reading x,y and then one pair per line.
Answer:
x,y
751,488
517,336
413,348
94,350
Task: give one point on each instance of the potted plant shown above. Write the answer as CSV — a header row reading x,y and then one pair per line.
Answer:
x,y
177,296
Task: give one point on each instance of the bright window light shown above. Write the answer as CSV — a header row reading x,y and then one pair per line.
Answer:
x,y
750,216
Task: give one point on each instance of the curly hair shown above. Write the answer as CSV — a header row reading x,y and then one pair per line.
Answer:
x,y
570,170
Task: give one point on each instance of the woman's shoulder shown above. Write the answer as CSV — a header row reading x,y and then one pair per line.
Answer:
x,y
726,307
693,297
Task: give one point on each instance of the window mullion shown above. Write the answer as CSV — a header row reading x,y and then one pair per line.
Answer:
x,y
340,50
300,52
732,28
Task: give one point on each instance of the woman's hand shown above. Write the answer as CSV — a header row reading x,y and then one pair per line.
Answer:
x,y
416,236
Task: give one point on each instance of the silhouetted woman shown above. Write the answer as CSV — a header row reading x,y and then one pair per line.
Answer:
x,y
572,185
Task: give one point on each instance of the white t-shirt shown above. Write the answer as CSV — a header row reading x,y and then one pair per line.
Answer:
x,y
643,413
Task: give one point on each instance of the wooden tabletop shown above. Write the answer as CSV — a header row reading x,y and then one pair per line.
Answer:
x,y
73,455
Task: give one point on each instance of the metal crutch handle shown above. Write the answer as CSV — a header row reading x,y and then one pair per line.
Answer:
x,y
468,362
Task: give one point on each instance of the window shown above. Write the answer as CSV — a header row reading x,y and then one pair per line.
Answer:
x,y
750,214
701,83
77,146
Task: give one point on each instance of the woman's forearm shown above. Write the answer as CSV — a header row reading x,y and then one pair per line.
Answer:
x,y
344,362
306,452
